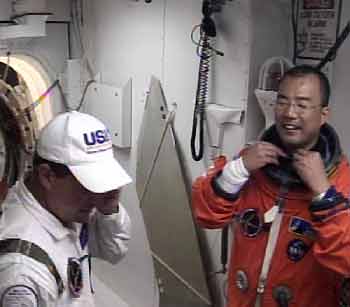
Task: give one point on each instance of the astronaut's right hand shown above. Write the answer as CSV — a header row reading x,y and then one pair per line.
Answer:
x,y
259,154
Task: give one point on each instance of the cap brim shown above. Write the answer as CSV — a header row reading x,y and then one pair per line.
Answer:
x,y
102,176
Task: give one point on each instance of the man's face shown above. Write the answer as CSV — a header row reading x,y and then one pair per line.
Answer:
x,y
299,113
70,202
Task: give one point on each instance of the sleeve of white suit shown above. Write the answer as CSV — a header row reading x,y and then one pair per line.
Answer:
x,y
26,283
109,235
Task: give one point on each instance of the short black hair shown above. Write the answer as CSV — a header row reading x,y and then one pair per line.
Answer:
x,y
59,169
303,70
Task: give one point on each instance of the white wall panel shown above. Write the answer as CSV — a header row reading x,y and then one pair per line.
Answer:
x,y
132,39
340,110
271,36
135,39
124,40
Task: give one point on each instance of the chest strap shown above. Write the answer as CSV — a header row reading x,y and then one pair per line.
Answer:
x,y
269,251
35,252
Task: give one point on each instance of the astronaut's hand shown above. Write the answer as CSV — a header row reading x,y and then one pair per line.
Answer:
x,y
310,168
108,202
259,154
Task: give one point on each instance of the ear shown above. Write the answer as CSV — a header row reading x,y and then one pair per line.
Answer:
x,y
325,113
46,176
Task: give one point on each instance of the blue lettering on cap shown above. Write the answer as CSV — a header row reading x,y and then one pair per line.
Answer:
x,y
97,137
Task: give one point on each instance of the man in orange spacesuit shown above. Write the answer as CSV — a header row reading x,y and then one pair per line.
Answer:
x,y
287,197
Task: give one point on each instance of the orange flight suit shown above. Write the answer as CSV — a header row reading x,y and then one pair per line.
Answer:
x,y
311,264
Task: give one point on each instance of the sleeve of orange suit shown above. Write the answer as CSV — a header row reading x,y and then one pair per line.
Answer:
x,y
332,245
212,209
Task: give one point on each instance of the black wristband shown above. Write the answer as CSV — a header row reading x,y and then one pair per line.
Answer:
x,y
330,200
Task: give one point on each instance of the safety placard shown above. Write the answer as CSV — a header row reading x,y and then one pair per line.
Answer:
x,y
316,27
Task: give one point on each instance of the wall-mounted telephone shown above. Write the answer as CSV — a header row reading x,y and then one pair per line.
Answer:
x,y
204,51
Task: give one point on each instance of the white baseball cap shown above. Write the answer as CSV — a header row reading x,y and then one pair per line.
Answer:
x,y
84,145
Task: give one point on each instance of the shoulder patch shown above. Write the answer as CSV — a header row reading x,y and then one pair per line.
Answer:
x,y
19,295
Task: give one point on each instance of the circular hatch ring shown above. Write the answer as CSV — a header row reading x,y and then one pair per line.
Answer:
x,y
26,80
18,129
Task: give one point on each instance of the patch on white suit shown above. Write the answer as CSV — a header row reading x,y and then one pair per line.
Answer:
x,y
19,295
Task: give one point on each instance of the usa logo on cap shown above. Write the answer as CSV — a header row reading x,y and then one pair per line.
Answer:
x,y
96,141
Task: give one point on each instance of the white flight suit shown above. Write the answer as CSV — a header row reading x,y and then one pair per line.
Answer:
x,y
26,282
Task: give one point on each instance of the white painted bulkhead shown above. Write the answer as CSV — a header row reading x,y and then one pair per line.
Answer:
x,y
132,39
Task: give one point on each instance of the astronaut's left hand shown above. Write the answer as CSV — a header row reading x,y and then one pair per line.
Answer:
x,y
310,167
